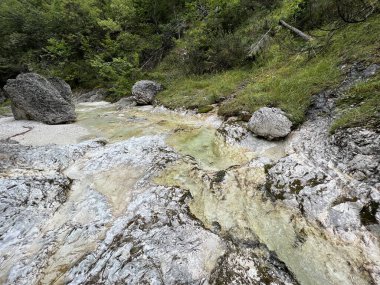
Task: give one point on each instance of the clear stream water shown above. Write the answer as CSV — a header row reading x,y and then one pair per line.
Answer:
x,y
236,205
224,179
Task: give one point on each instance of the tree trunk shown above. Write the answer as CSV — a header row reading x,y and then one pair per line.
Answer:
x,y
296,31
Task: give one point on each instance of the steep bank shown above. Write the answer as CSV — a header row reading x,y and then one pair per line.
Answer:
x,y
320,200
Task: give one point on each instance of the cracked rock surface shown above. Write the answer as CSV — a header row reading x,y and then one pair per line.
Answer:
x,y
90,214
334,180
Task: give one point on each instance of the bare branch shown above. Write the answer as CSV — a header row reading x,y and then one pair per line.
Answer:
x,y
257,47
296,31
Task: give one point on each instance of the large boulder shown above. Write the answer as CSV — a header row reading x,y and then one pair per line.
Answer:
x,y
270,123
47,100
144,91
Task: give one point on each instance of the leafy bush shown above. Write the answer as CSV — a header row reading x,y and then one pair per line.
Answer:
x,y
219,52
89,43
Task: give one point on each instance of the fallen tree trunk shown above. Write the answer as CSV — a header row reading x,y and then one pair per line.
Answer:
x,y
296,31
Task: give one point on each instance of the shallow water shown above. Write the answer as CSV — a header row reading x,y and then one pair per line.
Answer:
x,y
239,208
225,181
189,134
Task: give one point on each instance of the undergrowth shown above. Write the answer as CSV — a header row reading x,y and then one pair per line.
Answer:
x,y
360,107
288,73
198,92
5,108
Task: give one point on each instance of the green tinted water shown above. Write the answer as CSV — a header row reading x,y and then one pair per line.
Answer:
x,y
188,134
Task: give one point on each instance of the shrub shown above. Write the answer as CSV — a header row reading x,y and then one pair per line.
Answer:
x,y
219,52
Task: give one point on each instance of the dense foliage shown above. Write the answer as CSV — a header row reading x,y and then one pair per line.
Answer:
x,y
87,42
111,44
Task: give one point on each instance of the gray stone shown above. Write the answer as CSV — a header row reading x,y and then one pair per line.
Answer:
x,y
144,91
92,96
125,102
346,216
37,98
270,123
359,150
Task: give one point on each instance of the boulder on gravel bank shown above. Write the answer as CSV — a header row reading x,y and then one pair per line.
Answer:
x,y
47,100
144,91
270,123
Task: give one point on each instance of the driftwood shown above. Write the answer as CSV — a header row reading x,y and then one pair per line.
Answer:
x,y
296,31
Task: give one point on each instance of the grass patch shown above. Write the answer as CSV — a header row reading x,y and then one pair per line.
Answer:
x,y
288,81
205,109
199,92
286,76
5,108
287,85
360,107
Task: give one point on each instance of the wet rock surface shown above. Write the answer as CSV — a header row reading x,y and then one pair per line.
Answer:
x,y
334,180
91,214
126,102
233,203
40,99
158,242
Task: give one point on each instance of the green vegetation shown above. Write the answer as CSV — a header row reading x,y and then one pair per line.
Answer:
x,y
287,84
89,43
361,106
286,75
288,81
5,108
205,109
197,91
205,52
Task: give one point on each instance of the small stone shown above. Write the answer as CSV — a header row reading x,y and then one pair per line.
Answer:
x,y
125,102
270,123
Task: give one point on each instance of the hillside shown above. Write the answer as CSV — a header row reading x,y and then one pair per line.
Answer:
x,y
286,72
231,54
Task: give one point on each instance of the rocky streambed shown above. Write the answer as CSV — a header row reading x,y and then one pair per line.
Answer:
x,y
144,195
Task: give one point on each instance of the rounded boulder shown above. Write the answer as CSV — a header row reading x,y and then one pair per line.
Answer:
x,y
144,91
270,123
